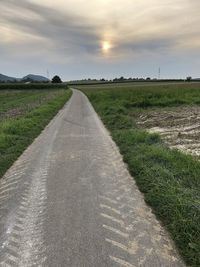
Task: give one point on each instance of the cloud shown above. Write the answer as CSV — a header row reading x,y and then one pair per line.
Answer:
x,y
152,25
72,31
60,30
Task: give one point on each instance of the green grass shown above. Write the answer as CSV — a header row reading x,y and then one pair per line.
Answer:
x,y
169,179
23,115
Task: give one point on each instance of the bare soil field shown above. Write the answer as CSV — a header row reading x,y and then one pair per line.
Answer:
x,y
178,126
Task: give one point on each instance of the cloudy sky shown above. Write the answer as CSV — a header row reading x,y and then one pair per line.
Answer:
x,y
100,38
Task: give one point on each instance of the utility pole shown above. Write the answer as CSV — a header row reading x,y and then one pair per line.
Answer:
x,y
159,73
48,74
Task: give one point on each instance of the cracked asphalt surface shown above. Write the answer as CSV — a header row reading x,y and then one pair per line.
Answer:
x,y
70,201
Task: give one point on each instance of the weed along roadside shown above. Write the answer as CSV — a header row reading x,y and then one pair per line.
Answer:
x,y
169,179
23,115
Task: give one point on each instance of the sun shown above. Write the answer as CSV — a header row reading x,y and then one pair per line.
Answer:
x,y
106,46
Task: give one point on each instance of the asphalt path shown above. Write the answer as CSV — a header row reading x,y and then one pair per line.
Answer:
x,y
70,201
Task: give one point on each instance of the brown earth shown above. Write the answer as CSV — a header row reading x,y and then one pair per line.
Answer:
x,y
179,127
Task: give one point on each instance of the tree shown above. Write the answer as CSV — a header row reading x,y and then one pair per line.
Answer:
x,y
188,79
56,79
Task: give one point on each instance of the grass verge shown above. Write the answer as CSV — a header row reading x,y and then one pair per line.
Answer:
x,y
17,132
169,179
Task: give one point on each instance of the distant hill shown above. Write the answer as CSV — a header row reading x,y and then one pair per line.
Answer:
x,y
28,78
35,78
4,78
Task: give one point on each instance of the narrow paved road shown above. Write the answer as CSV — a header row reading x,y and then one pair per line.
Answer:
x,y
69,201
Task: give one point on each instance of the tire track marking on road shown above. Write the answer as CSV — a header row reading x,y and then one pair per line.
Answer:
x,y
118,221
116,211
109,199
127,225
116,231
26,231
11,181
22,243
121,262
125,248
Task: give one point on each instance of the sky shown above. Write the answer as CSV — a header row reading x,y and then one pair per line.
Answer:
x,y
80,39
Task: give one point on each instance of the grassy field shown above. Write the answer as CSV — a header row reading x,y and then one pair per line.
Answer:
x,y
169,179
23,115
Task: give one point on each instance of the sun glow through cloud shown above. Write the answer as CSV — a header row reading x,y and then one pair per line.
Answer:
x,y
106,46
